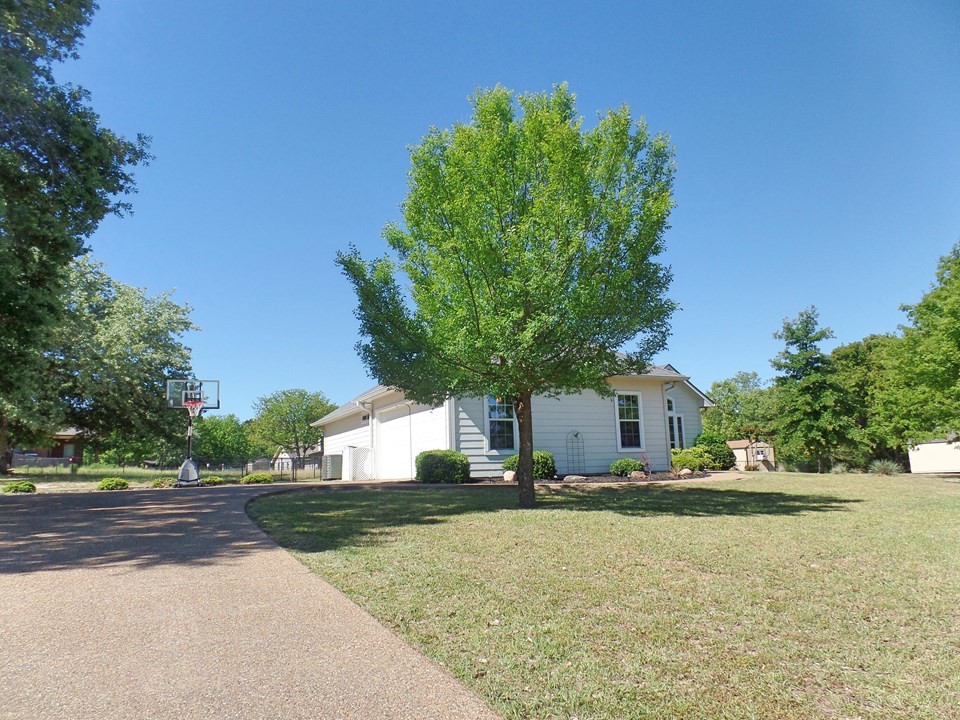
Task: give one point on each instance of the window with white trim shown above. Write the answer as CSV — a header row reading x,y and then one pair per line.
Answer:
x,y
675,426
629,421
501,424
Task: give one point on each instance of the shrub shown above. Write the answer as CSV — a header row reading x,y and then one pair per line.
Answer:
x,y
544,467
721,456
257,478
443,466
20,486
624,466
113,483
751,468
695,458
163,482
212,480
839,468
884,467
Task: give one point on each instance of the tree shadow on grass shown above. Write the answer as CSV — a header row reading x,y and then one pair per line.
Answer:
x,y
319,520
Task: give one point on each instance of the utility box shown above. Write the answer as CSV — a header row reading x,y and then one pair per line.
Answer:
x,y
332,468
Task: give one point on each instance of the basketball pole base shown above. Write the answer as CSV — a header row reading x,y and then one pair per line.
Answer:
x,y
188,476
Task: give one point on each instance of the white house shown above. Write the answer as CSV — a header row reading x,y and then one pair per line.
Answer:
x,y
379,433
935,456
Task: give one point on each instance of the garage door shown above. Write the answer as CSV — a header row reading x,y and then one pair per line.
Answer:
x,y
393,448
403,434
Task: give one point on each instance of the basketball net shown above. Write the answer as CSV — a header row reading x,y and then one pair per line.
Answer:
x,y
193,407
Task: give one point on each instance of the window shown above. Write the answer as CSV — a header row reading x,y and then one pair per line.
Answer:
x,y
675,426
500,424
629,422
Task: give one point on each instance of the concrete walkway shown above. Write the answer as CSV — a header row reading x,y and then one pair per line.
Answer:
x,y
172,604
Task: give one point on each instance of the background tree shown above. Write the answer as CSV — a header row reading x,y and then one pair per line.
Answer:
x,y
113,352
742,408
529,247
813,412
60,174
283,420
221,440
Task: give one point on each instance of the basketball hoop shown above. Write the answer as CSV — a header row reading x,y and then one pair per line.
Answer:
x,y
193,407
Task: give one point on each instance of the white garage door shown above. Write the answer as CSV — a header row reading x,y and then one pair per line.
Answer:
x,y
393,448
403,434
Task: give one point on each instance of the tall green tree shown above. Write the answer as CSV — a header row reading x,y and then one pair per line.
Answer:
x,y
813,412
282,420
112,355
221,440
742,408
528,246
921,396
61,173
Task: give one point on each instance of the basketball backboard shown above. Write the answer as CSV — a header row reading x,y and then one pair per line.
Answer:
x,y
206,390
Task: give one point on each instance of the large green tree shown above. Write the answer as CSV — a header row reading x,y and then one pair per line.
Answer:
x,y
61,172
742,408
282,420
814,416
528,246
113,353
221,440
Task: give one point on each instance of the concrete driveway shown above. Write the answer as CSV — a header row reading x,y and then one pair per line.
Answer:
x,y
172,604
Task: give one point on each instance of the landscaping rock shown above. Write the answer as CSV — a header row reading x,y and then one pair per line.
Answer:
x,y
686,472
574,478
638,475
509,476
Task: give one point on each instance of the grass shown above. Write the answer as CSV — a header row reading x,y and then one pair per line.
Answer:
x,y
779,596
87,477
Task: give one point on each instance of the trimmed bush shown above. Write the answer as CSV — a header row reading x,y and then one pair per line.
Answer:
x,y
544,466
721,456
20,486
257,478
443,466
113,484
884,467
163,482
212,480
696,458
624,466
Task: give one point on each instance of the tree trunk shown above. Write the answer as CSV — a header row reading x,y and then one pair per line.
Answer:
x,y
4,439
521,406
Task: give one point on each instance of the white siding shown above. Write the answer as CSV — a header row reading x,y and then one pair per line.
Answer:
x,y
403,432
935,457
593,416
349,431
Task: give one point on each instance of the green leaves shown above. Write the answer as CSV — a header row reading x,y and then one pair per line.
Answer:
x,y
283,420
525,238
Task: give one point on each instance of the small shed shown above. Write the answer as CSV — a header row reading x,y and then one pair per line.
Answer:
x,y
935,456
753,455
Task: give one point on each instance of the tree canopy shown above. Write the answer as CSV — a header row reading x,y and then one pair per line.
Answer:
x,y
283,420
528,247
61,172
742,408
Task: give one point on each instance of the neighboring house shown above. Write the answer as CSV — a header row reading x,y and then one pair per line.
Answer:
x,y
66,447
753,454
379,433
935,456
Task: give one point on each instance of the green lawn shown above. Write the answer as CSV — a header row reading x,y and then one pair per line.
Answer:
x,y
60,479
779,596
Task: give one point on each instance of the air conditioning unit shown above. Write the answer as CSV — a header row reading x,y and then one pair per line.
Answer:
x,y
332,467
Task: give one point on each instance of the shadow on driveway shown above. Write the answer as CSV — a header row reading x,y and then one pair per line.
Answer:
x,y
196,526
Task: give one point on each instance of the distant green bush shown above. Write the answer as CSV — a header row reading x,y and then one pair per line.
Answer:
x,y
884,467
163,482
20,486
544,466
113,483
212,480
624,466
257,478
721,456
442,466
839,468
696,458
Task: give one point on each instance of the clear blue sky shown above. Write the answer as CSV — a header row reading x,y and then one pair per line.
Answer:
x,y
818,151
